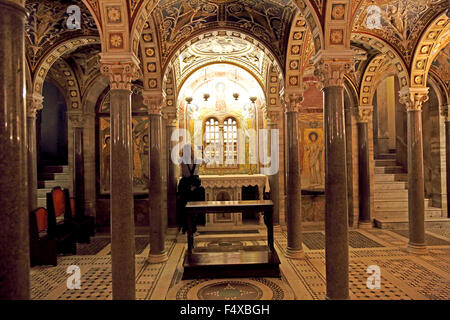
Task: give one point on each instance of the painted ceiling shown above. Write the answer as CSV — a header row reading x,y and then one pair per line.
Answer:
x,y
402,22
46,27
267,20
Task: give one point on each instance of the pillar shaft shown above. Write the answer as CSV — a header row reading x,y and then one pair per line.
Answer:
x,y
447,157
171,178
414,98
293,199
122,202
416,194
32,160
79,170
274,180
336,216
156,215
14,240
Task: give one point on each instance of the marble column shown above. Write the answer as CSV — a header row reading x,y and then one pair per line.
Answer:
x,y
363,116
447,155
274,182
78,157
294,248
331,67
14,243
34,103
158,253
122,198
171,126
413,99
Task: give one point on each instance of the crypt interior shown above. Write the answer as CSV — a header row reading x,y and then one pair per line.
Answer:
x,y
338,111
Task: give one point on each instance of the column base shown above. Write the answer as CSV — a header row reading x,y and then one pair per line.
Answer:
x,y
294,253
417,249
365,225
157,258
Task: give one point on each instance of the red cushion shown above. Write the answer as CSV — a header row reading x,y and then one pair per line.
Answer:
x,y
58,202
42,219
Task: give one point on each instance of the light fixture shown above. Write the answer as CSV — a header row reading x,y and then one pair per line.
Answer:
x,y
253,99
188,100
206,94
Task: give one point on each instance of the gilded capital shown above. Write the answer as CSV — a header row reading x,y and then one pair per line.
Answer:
x,y
293,101
154,102
35,102
363,114
120,74
77,120
330,67
413,98
170,115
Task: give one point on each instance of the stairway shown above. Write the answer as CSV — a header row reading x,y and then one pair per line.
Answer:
x,y
391,194
50,177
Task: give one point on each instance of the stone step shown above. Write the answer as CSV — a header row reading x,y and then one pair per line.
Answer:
x,y
389,169
42,202
391,194
386,186
53,176
54,183
381,156
42,193
398,213
55,169
382,177
395,204
385,162
402,223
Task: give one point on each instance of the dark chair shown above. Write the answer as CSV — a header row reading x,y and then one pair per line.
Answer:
x,y
85,225
42,247
60,222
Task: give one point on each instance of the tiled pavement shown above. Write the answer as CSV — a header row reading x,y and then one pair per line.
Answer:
x,y
403,276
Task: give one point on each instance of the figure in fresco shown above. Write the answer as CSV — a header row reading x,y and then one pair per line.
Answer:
x,y
106,162
221,103
314,150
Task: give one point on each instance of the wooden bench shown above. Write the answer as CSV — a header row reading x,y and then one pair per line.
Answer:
x,y
258,261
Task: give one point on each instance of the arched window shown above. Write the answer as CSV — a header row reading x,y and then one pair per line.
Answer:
x,y
230,140
212,137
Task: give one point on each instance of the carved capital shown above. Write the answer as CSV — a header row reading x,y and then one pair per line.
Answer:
x,y
35,102
272,116
153,101
170,115
293,101
363,114
413,98
330,67
77,120
120,74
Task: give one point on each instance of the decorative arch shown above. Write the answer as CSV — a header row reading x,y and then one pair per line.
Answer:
x,y
433,39
440,88
140,14
312,13
387,54
50,58
294,56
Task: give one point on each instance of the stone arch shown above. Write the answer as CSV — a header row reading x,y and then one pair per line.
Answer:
x,y
369,77
440,87
139,17
294,56
51,57
433,39
313,21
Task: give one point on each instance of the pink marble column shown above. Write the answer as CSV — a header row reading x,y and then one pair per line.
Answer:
x,y
294,248
14,242
122,198
78,148
331,67
171,126
157,218
272,119
413,99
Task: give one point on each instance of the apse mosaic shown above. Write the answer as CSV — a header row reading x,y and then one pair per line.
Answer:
x,y
141,146
219,107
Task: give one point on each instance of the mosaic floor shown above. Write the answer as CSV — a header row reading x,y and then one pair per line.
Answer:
x,y
403,276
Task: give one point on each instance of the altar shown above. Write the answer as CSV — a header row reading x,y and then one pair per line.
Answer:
x,y
229,188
